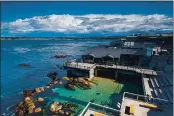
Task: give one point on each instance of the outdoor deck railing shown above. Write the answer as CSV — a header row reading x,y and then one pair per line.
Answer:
x,y
136,69
99,108
143,98
69,64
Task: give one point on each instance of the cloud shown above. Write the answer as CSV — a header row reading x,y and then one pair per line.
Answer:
x,y
111,23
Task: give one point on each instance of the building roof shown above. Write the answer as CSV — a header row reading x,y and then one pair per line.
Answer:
x,y
99,52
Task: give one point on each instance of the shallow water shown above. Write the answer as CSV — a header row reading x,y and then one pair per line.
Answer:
x,y
39,54
105,91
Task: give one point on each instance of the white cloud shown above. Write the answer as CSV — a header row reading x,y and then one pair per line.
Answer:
x,y
90,23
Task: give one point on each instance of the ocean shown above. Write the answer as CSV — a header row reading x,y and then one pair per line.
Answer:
x,y
39,54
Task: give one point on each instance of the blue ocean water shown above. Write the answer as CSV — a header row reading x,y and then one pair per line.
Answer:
x,y
39,54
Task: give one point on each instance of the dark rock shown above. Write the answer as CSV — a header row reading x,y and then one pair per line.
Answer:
x,y
28,93
69,86
24,65
93,100
52,74
60,56
19,113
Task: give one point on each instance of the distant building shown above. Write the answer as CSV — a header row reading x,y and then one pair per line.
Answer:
x,y
113,55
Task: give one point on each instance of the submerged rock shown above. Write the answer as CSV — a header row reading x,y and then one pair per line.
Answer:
x,y
78,82
64,109
60,56
69,86
24,65
28,93
52,74
93,100
19,113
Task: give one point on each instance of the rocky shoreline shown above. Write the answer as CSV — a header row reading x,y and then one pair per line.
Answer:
x,y
28,105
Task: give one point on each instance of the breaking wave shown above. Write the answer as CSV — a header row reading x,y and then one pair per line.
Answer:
x,y
21,50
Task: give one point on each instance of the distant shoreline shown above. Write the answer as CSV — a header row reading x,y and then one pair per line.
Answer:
x,y
68,39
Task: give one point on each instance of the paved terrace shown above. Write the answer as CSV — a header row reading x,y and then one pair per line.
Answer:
x,y
87,66
98,110
135,99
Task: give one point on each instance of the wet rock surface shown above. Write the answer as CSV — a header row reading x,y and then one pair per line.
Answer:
x,y
29,106
77,82
24,65
63,109
26,107
60,56
28,93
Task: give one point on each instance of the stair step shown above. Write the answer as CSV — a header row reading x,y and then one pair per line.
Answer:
x,y
159,93
159,80
152,83
167,94
171,90
156,93
156,82
168,80
164,81
163,94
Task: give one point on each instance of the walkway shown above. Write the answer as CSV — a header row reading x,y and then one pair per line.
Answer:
x,y
87,66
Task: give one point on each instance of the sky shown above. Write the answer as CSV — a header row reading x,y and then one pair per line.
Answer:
x,y
72,19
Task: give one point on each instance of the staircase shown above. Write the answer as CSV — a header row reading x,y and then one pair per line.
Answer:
x,y
162,88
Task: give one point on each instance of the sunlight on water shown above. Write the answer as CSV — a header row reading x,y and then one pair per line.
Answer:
x,y
39,54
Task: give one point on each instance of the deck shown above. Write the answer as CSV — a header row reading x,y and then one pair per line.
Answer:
x,y
135,99
87,66
142,111
89,112
98,110
78,65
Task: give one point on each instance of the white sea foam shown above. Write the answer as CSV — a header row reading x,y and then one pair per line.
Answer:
x,y
21,50
9,107
55,90
8,114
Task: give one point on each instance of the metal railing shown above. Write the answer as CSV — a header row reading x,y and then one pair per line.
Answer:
x,y
144,90
69,64
144,98
136,69
99,108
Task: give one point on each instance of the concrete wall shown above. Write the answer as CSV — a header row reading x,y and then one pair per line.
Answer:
x,y
91,73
